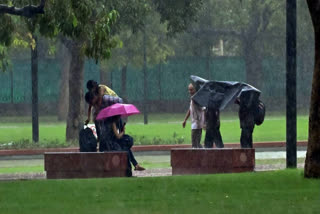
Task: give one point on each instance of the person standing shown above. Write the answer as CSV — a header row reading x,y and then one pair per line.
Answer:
x,y
248,103
213,134
196,113
99,90
99,102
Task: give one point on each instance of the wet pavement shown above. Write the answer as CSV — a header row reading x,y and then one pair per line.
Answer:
x,y
142,157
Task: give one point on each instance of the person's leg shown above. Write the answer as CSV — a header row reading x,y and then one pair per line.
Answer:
x,y
129,169
243,138
131,158
105,143
218,139
196,138
97,125
246,137
101,139
199,136
134,161
208,140
250,131
193,138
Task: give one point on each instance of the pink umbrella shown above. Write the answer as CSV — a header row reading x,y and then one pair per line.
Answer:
x,y
117,109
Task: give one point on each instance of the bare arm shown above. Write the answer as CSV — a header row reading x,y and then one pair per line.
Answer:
x,y
99,101
115,131
186,118
89,114
102,91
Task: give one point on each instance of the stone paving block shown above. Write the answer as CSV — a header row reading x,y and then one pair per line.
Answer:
x,y
85,164
208,161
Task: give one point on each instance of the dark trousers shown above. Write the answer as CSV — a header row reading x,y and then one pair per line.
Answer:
x,y
196,138
246,137
213,135
131,158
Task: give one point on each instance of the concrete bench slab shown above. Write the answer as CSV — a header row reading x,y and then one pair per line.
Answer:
x,y
85,164
209,161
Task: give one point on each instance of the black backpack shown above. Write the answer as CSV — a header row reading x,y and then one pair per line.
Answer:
x,y
260,113
87,141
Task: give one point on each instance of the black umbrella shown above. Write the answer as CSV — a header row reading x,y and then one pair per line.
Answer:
x,y
218,94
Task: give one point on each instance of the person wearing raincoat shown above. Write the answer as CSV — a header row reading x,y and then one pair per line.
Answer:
x,y
248,103
213,134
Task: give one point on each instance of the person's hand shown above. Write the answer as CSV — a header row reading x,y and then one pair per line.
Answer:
x,y
184,124
86,122
204,126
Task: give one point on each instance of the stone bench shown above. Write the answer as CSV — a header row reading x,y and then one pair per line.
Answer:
x,y
85,164
208,161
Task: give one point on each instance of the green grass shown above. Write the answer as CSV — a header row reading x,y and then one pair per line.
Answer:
x,y
162,129
283,191
21,169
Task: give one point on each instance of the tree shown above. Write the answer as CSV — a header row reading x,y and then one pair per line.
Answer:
x,y
29,12
131,50
26,11
244,28
63,103
176,15
312,162
85,28
6,38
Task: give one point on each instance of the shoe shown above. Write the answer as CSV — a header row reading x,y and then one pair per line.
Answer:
x,y
129,173
139,168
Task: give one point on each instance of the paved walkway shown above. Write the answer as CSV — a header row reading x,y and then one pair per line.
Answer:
x,y
146,173
34,157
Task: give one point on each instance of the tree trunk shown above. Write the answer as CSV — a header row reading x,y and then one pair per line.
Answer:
x,y
76,107
34,79
145,85
124,83
312,163
64,85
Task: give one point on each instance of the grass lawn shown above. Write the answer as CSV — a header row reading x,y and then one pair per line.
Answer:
x,y
162,129
283,191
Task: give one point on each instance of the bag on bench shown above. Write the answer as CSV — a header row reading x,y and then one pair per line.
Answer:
x,y
87,141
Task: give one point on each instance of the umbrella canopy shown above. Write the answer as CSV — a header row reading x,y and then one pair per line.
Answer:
x,y
218,94
117,109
